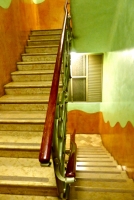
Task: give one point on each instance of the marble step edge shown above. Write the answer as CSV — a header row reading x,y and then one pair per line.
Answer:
x,y
43,40
100,189
38,54
35,62
99,176
7,99
95,164
19,146
24,181
32,190
100,169
49,31
31,84
48,46
104,184
38,37
33,72
26,197
49,34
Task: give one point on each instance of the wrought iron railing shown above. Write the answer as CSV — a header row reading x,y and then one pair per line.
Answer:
x,y
54,135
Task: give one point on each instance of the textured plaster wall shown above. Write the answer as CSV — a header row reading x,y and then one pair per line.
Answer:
x,y
17,18
117,119
102,25
15,24
118,87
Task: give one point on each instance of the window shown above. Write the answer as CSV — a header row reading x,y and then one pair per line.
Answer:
x,y
86,81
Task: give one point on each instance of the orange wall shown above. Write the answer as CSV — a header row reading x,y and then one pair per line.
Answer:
x,y
82,122
15,25
119,141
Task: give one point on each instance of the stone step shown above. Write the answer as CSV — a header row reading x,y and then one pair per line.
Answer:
x,y
87,193
94,155
94,159
97,176
22,120
33,75
26,176
31,57
46,37
96,164
40,65
28,88
22,117
26,197
46,32
129,184
99,169
24,102
43,42
42,49
24,144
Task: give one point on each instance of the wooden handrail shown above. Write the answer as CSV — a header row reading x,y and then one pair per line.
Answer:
x,y
45,150
71,166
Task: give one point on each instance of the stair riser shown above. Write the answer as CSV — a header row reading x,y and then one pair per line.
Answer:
x,y
21,127
45,77
104,184
18,91
41,50
42,43
24,107
28,58
43,32
96,194
26,197
29,190
49,37
25,67
17,153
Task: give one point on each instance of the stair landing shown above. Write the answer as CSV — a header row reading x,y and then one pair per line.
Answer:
x,y
98,175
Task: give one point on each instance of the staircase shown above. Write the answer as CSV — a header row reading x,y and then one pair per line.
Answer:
x,y
22,116
98,176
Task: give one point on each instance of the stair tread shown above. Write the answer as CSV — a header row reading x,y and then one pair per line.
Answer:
x,y
25,171
101,175
20,138
35,72
102,194
50,45
100,163
22,116
37,54
26,197
35,62
24,98
99,169
41,40
29,84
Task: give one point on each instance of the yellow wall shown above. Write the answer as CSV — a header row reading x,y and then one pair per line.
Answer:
x,y
16,20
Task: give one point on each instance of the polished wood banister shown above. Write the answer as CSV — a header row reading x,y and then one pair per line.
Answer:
x,y
71,166
45,150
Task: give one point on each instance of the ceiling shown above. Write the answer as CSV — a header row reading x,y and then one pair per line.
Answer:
x,y
102,25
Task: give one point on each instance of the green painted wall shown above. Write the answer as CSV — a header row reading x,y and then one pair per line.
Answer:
x,y
118,87
102,25
84,106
